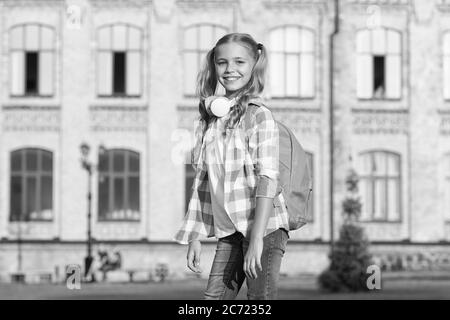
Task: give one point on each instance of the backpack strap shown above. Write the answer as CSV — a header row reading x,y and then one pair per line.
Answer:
x,y
252,106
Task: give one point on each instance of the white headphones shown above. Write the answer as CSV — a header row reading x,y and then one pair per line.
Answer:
x,y
220,106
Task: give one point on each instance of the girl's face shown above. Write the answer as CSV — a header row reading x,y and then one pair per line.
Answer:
x,y
234,66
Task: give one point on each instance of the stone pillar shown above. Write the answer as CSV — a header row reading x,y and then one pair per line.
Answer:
x,y
165,187
424,54
76,62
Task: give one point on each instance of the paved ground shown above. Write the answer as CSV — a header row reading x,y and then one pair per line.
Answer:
x,y
301,288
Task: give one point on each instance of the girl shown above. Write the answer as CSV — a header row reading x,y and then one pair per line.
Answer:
x,y
234,195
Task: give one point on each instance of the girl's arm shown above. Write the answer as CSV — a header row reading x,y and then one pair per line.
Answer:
x,y
267,157
264,205
252,258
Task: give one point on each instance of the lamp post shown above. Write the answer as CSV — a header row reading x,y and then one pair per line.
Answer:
x,y
19,275
89,167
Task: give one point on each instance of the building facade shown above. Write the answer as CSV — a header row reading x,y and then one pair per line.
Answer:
x,y
120,76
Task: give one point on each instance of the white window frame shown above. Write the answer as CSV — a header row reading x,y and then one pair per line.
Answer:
x,y
132,45
38,174
198,39
111,174
45,49
385,42
293,58
370,179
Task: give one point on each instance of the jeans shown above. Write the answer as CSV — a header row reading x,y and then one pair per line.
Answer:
x,y
227,274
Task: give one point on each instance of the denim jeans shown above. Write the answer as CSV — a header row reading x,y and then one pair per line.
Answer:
x,y
227,274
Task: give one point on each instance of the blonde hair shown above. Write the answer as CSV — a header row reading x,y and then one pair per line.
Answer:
x,y
207,81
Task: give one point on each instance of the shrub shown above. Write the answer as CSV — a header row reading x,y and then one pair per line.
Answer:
x,y
350,256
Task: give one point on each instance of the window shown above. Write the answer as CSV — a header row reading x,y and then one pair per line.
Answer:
x,y
118,185
119,60
119,66
310,157
31,185
378,64
292,62
32,54
446,65
380,186
198,40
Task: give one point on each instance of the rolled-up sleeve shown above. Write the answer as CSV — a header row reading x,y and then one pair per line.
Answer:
x,y
195,151
265,138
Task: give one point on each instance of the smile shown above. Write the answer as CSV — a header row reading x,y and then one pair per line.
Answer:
x,y
231,78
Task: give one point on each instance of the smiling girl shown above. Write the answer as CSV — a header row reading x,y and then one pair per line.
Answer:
x,y
236,177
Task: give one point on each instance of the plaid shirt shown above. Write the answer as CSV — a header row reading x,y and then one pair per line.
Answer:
x,y
251,171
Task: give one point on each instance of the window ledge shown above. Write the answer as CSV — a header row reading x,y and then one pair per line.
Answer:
x,y
10,107
380,99
371,109
123,96
380,221
119,220
17,222
31,96
288,98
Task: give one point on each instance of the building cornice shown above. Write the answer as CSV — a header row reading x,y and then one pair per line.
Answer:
x,y
380,2
206,4
31,3
31,118
322,5
114,4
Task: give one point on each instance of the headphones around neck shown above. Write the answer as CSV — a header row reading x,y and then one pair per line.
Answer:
x,y
220,106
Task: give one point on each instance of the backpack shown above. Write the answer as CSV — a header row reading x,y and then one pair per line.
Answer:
x,y
295,181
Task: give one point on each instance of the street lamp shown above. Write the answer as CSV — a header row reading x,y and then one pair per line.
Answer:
x,y
89,167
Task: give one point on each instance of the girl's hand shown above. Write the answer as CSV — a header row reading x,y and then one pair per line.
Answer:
x,y
193,256
252,258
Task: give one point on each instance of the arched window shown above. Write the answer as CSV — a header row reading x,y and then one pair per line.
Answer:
x,y
378,64
198,40
119,60
380,186
292,60
446,64
32,60
119,185
31,185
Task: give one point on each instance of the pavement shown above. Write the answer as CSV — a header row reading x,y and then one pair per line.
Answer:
x,y
291,288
